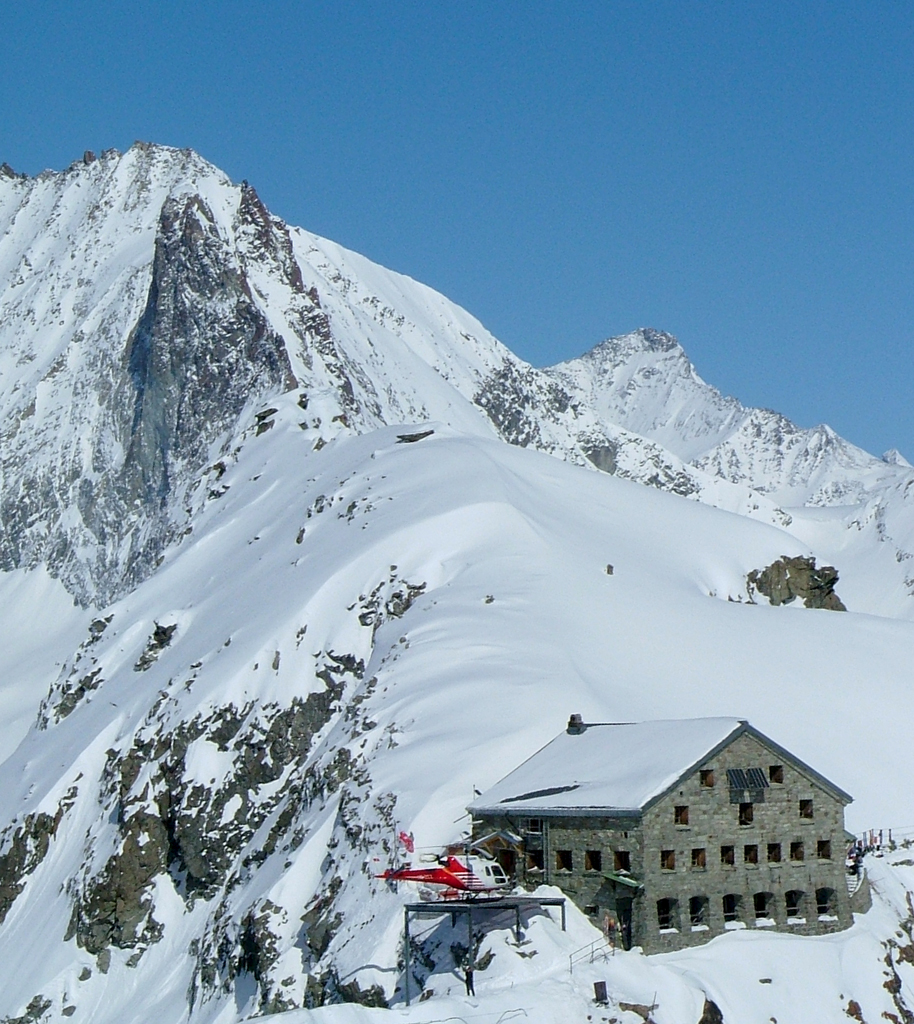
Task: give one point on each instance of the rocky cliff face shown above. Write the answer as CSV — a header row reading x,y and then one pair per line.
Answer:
x,y
146,343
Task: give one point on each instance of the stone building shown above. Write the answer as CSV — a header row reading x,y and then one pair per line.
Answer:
x,y
680,829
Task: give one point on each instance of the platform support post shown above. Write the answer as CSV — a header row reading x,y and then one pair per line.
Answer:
x,y
406,954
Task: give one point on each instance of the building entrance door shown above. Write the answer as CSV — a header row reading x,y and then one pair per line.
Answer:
x,y
624,917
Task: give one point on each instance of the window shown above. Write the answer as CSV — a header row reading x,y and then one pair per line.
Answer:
x,y
794,903
681,816
745,814
823,849
826,904
593,860
622,860
796,851
706,777
698,911
806,809
731,904
534,860
535,826
750,854
668,860
762,901
591,910
563,860
776,774
699,860
774,853
667,914
728,855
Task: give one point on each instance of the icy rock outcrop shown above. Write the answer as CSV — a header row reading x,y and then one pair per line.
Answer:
x,y
789,578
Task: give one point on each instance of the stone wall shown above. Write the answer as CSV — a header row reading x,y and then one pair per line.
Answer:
x,y
566,846
713,823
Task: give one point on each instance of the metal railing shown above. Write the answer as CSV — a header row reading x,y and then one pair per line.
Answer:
x,y
599,949
888,838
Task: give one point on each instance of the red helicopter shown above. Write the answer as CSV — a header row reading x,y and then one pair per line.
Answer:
x,y
451,877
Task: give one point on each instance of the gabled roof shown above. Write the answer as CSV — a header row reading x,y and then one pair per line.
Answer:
x,y
622,768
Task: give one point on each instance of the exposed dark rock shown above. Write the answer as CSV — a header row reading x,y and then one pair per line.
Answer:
x,y
72,696
176,827
160,639
34,1012
641,1009
200,349
116,908
390,599
789,578
320,922
514,397
77,679
98,627
711,1013
25,850
351,992
603,456
412,438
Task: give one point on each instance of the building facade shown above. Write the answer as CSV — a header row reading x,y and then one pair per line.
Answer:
x,y
702,826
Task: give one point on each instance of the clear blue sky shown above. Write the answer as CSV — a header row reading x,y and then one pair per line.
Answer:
x,y
740,174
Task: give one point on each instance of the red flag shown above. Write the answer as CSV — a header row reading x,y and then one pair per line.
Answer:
x,y
406,838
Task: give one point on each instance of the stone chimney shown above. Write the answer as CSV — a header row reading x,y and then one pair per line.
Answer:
x,y
576,725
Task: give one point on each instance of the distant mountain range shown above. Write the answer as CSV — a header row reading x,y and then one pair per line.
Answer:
x,y
147,304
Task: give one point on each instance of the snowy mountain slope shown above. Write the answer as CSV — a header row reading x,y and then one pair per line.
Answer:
x,y
346,644
150,308
837,497
39,627
645,382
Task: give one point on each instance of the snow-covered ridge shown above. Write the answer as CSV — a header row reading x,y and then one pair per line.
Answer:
x,y
150,308
645,382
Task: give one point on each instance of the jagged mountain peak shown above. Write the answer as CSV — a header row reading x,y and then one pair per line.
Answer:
x,y
894,458
140,155
645,382
644,339
150,307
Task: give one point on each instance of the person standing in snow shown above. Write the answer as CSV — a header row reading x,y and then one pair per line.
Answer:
x,y
468,971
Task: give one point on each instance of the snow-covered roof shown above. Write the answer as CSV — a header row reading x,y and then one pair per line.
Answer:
x,y
621,766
